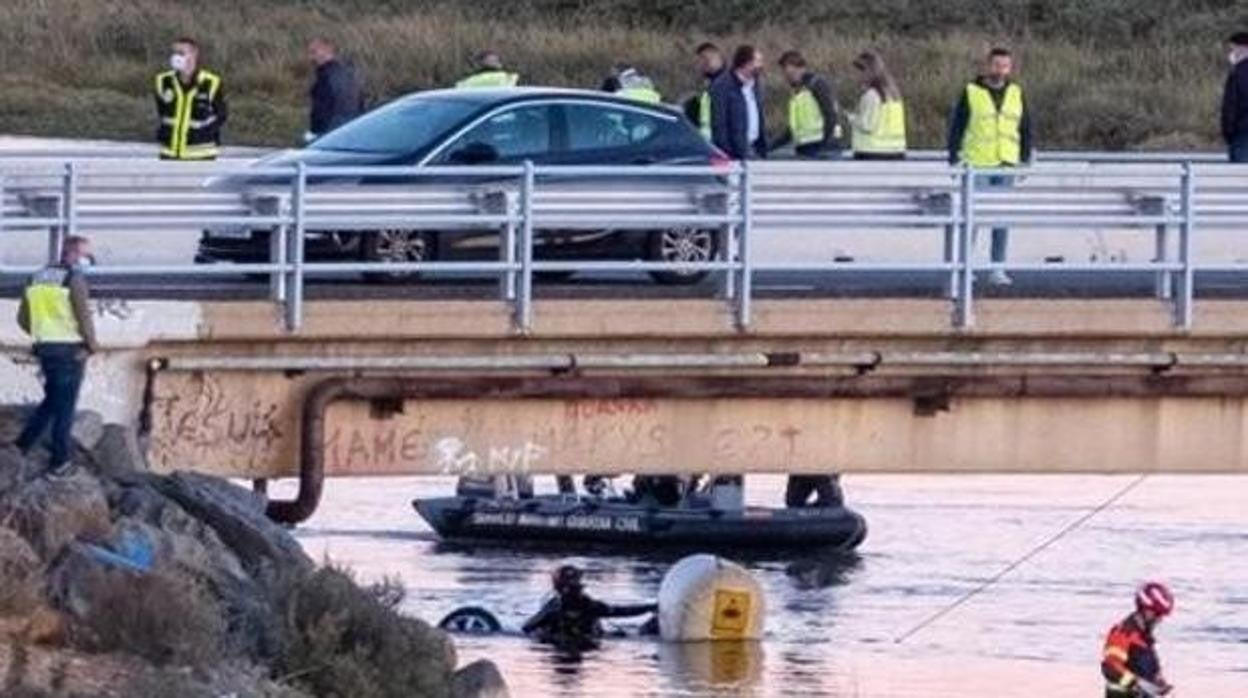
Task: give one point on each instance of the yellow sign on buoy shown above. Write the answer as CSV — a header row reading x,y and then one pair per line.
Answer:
x,y
732,614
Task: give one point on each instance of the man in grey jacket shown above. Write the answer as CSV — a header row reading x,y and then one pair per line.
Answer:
x,y
336,94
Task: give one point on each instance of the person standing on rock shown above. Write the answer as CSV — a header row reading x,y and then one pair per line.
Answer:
x,y
54,311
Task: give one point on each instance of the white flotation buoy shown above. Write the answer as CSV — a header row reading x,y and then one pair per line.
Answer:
x,y
704,597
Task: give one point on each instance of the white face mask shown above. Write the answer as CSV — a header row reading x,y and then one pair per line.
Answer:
x,y
178,62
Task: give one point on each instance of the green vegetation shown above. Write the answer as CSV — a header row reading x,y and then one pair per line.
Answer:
x,y
1100,73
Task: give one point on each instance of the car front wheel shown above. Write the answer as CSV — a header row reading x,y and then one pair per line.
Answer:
x,y
682,245
394,246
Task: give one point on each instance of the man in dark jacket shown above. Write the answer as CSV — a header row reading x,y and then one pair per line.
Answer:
x,y
737,124
336,94
814,125
710,62
1235,99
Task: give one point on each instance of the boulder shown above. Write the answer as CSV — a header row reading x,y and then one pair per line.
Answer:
x,y
88,429
237,515
51,512
13,469
21,575
481,679
12,419
117,452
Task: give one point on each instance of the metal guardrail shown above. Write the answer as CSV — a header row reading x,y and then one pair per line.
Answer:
x,y
741,204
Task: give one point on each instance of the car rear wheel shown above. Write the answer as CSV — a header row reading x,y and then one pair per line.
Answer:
x,y
686,245
394,246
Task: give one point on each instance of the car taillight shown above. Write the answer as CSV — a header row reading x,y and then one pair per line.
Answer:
x,y
720,160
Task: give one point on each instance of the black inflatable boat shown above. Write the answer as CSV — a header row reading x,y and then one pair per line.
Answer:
x,y
564,519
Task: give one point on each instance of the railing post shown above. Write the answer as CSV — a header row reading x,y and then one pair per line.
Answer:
x,y
951,257
294,304
964,311
279,245
509,248
746,286
1161,255
524,304
69,214
3,221
1187,291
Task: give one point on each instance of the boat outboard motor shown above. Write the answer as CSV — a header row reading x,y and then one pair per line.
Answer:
x,y
704,597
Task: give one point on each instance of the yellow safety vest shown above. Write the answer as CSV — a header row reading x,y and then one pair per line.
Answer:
x,y
648,95
189,127
805,117
51,312
489,78
993,137
704,114
889,135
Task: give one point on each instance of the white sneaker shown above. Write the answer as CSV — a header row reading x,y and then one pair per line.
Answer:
x,y
1000,278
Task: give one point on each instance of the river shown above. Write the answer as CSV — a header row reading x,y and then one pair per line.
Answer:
x,y
833,624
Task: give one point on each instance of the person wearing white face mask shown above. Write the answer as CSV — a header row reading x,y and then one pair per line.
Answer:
x,y
191,106
1235,99
55,313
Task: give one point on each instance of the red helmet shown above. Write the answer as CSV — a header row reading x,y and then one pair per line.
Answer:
x,y
1155,597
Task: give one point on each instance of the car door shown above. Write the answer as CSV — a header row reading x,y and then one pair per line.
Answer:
x,y
508,136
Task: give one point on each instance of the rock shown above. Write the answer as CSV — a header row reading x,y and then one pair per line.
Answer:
x,y
21,574
88,429
51,512
12,419
237,515
46,626
117,451
481,679
13,469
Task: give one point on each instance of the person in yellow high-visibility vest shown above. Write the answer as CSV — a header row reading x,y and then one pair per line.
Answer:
x,y
814,121
878,123
991,129
190,106
54,312
490,73
626,81
710,63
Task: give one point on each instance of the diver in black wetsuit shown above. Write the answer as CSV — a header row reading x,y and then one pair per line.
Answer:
x,y
573,618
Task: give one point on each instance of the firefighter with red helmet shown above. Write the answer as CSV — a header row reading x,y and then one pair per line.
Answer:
x,y
1130,663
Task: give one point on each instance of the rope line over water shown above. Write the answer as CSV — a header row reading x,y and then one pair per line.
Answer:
x,y
1049,542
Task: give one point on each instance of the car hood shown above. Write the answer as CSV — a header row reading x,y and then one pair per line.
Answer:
x,y
309,157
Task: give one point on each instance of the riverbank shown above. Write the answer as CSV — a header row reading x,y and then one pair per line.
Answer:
x,y
1102,76
118,582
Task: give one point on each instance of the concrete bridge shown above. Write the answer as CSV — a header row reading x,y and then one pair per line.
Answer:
x,y
727,379
445,387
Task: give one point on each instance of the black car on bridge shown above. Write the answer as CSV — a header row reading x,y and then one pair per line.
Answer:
x,y
483,127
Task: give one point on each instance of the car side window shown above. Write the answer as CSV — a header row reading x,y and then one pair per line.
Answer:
x,y
511,135
604,127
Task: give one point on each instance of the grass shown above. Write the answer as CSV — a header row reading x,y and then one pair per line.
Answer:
x,y
1107,74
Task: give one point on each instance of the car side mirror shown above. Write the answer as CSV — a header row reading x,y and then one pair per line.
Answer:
x,y
475,153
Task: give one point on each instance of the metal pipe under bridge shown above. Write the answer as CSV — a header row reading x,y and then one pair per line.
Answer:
x,y
730,380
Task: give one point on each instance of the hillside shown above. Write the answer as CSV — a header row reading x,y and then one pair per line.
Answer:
x,y
1100,73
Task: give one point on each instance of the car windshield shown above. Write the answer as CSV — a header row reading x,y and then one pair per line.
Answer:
x,y
402,127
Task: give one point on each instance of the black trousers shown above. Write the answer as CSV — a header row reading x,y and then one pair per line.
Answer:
x,y
63,366
826,488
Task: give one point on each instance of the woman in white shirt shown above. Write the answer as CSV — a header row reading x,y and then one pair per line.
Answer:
x,y
878,124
